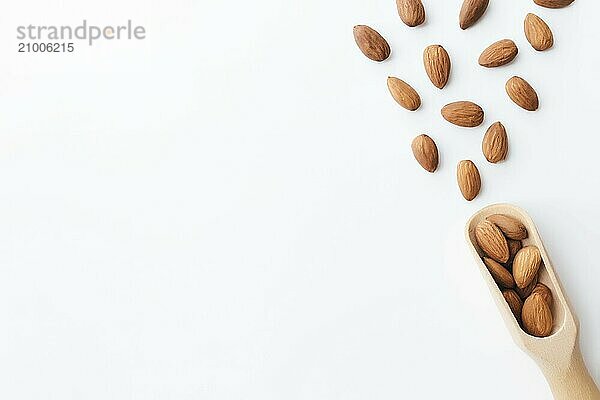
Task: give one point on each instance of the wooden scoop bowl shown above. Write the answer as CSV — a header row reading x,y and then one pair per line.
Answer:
x,y
557,355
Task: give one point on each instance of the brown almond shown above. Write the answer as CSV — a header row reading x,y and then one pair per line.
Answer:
x,y
553,3
403,93
526,291
468,178
538,33
526,265
371,43
437,65
495,143
514,302
425,152
497,54
501,276
471,11
511,227
463,113
411,12
522,93
513,248
536,316
491,241
545,292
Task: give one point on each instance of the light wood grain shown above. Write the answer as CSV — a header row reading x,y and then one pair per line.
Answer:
x,y
557,355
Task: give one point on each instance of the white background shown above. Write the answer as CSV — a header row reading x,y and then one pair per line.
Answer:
x,y
230,209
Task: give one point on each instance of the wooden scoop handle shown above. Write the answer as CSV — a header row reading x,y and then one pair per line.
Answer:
x,y
572,382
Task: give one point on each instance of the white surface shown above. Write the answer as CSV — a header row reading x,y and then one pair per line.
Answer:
x,y
230,209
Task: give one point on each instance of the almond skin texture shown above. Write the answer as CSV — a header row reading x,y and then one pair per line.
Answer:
x,y
437,65
491,241
536,316
471,11
513,248
538,33
545,292
403,93
553,3
526,265
510,227
502,277
526,291
497,54
522,94
463,113
514,302
425,152
371,43
495,143
411,12
468,178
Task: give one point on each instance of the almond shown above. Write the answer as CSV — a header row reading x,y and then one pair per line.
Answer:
x,y
513,248
526,291
437,65
468,179
491,241
526,265
403,93
502,277
371,43
545,292
538,33
553,3
514,302
411,12
511,227
522,93
463,113
536,316
495,143
425,152
471,11
500,53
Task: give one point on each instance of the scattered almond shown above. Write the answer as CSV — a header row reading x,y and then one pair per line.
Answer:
x,y
468,179
471,11
491,241
536,316
511,227
502,277
538,33
371,43
522,93
403,93
411,12
425,152
497,54
495,143
526,265
437,65
545,292
463,113
553,3
514,302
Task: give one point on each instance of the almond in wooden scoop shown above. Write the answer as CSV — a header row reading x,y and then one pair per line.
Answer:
x,y
522,94
526,265
497,54
371,43
500,274
514,302
536,316
511,227
425,152
463,113
491,241
403,93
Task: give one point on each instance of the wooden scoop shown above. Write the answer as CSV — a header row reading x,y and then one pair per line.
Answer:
x,y
557,355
